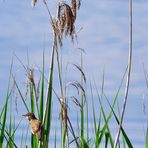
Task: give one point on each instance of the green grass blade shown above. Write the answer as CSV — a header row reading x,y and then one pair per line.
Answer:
x,y
3,123
5,109
124,143
11,136
98,131
64,139
87,122
146,140
34,141
122,130
3,128
93,109
82,121
85,143
24,102
32,99
107,135
10,127
110,114
82,104
47,113
42,92
101,133
7,137
1,113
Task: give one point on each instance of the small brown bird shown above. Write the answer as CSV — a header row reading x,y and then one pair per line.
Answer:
x,y
35,125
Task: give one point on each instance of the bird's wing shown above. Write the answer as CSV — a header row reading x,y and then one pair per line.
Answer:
x,y
35,126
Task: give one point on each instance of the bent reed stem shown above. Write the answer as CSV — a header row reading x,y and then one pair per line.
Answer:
x,y
128,77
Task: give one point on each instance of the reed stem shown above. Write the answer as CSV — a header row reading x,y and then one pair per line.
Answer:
x,y
128,77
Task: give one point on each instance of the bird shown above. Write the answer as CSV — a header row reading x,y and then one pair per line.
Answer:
x,y
35,125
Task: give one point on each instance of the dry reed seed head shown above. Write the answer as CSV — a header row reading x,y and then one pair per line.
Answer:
x,y
16,104
78,4
69,20
78,87
63,111
33,3
26,87
74,7
81,71
66,20
62,24
143,105
76,102
38,91
56,27
60,40
31,75
63,108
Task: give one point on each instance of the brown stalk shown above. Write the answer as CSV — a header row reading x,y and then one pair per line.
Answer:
x,y
31,79
64,22
65,118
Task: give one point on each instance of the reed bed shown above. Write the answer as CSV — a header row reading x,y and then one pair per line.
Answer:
x,y
41,94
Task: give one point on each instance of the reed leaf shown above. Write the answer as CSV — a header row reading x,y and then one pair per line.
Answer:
x,y
146,137
130,50
101,133
3,123
34,141
19,91
122,130
47,111
93,109
110,114
8,137
2,131
42,91
107,136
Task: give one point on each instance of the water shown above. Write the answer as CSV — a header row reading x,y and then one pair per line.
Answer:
x,y
105,39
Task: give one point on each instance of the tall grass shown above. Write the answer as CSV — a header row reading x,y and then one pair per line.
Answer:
x,y
41,96
129,72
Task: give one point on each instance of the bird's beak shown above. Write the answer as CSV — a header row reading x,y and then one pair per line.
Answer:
x,y
25,116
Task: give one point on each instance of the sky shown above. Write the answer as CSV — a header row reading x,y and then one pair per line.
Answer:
x,y
104,37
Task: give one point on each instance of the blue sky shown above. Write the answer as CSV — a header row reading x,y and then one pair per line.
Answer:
x,y
104,37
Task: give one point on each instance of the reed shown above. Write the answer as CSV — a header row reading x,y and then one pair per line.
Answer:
x,y
41,95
